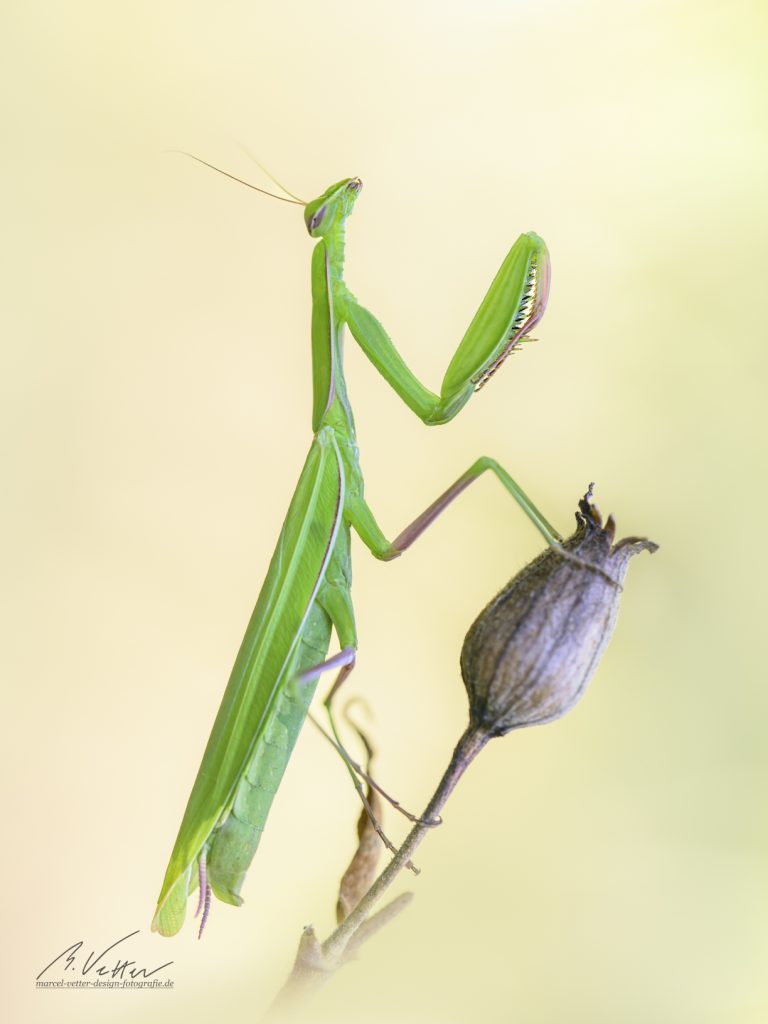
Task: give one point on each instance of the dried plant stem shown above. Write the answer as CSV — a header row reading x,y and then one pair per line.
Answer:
x,y
470,744
316,962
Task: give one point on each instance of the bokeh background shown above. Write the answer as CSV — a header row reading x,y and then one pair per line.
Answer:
x,y
156,395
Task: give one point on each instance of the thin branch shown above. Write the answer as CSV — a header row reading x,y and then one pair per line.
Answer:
x,y
316,962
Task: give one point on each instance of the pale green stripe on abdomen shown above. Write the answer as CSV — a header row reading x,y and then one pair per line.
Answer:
x,y
234,844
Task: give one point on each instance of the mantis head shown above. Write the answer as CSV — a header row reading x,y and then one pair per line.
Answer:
x,y
332,207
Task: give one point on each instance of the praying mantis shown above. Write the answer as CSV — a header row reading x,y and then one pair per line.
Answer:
x,y
306,594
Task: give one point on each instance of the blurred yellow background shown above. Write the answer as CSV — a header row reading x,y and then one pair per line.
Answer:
x,y
156,396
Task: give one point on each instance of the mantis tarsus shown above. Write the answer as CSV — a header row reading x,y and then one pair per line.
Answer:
x,y
306,593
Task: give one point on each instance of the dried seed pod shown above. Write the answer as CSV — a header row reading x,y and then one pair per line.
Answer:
x,y
529,655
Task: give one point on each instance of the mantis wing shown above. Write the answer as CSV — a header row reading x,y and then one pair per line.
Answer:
x,y
295,573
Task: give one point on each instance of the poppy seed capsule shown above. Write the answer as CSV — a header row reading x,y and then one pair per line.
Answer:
x,y
529,655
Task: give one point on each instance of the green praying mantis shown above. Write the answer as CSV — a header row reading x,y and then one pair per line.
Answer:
x,y
306,593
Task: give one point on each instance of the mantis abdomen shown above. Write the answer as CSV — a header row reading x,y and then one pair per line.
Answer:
x,y
263,706
234,844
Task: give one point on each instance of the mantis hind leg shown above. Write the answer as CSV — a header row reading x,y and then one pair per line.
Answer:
x,y
336,600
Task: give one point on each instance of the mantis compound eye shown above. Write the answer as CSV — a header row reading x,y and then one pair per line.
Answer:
x,y
316,218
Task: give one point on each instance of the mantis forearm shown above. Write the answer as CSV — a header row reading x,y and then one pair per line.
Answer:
x,y
377,345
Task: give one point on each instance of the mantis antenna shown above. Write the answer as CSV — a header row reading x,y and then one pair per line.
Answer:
x,y
296,202
269,174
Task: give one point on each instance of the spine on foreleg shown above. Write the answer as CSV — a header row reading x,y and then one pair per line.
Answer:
x,y
235,842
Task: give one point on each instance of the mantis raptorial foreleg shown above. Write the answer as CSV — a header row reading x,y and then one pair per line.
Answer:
x,y
513,305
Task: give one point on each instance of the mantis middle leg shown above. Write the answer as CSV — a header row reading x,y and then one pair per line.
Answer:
x,y
362,519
